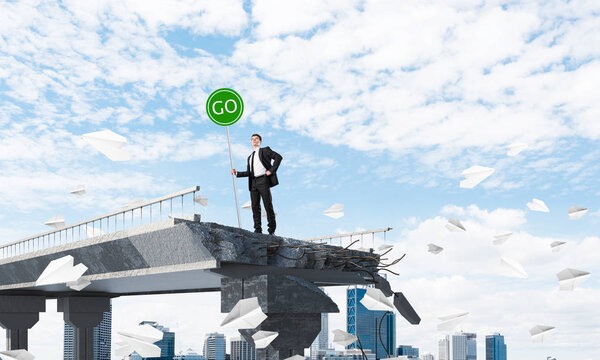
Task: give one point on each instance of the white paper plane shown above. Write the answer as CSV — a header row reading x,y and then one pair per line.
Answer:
x,y
449,322
569,279
61,271
264,213
262,338
539,333
146,332
538,205
140,339
557,245
201,200
335,211
576,212
501,238
455,225
295,357
16,355
434,249
512,268
515,148
246,314
247,205
375,300
342,338
474,175
79,284
78,190
56,222
110,144
383,247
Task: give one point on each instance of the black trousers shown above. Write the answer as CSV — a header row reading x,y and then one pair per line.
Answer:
x,y
260,188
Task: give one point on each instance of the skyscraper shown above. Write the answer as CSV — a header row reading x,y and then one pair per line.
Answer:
x,y
189,354
321,341
428,357
214,346
102,334
241,349
166,345
365,324
471,346
461,346
495,349
411,352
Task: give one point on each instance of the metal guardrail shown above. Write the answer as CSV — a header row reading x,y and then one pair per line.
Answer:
x,y
119,219
352,235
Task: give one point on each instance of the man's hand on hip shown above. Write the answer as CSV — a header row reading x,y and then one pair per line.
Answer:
x,y
268,173
233,172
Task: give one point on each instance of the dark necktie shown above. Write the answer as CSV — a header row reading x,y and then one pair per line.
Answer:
x,y
252,163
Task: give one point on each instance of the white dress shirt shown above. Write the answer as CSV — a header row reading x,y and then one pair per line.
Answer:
x,y
259,169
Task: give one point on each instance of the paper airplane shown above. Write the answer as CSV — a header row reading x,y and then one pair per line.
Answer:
x,y
575,212
537,205
540,333
383,247
133,203
262,338
569,279
455,225
364,249
375,300
264,213
449,322
57,222
501,238
335,211
110,144
61,271
79,284
515,148
201,200
512,268
16,355
434,249
78,190
557,245
246,314
474,175
295,357
140,339
342,338
247,205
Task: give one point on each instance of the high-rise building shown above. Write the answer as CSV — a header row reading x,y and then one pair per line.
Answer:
x,y
461,346
102,334
471,346
427,357
411,352
321,341
350,354
376,330
166,345
241,349
189,354
495,349
214,346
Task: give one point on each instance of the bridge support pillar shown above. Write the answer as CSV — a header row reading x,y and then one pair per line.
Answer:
x,y
18,314
83,314
293,306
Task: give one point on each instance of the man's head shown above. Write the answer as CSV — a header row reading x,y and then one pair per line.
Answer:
x,y
255,140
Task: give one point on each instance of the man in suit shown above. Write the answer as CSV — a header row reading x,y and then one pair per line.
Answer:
x,y
262,176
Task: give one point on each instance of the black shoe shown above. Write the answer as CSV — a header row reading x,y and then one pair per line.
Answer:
x,y
258,231
271,232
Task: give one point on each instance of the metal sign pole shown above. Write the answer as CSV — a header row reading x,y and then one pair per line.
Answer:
x,y
237,205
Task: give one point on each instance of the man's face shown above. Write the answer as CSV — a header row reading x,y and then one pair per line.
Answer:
x,y
255,141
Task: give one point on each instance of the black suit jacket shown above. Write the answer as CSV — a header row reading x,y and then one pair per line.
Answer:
x,y
266,155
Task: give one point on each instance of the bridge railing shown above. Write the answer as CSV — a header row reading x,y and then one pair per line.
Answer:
x,y
353,236
125,218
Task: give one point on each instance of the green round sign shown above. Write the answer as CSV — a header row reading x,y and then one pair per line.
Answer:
x,y
224,107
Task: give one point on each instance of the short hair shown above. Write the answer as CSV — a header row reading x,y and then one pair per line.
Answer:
x,y
253,135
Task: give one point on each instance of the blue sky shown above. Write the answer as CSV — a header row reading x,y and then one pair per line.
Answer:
x,y
377,105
